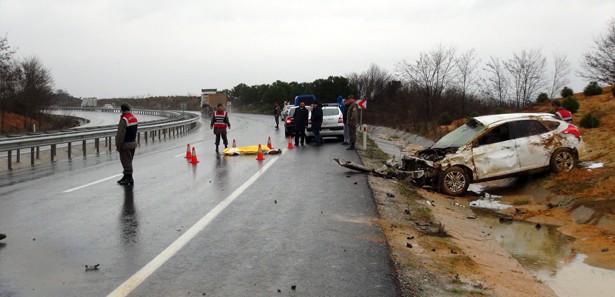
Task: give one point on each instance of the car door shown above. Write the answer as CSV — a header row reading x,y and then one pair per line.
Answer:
x,y
494,153
531,143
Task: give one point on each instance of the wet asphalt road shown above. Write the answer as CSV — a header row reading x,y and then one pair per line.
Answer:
x,y
229,226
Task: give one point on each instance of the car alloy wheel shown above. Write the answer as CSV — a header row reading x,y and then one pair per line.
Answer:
x,y
454,181
562,160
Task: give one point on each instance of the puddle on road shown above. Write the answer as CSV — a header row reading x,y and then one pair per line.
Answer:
x,y
547,253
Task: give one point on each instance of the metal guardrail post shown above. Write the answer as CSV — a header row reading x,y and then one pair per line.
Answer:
x,y
10,159
83,145
53,152
97,145
32,156
18,157
69,150
38,152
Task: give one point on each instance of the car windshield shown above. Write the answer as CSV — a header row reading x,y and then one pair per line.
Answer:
x,y
461,135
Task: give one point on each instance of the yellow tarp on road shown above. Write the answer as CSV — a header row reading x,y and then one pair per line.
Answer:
x,y
249,150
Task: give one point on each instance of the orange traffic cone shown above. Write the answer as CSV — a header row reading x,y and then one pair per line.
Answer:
x,y
260,156
269,143
234,144
194,160
290,143
188,154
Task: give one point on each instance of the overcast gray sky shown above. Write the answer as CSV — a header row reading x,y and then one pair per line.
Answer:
x,y
121,48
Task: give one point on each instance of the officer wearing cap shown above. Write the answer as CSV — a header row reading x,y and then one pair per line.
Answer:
x,y
126,142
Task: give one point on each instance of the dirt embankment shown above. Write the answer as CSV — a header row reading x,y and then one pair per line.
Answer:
x,y
440,248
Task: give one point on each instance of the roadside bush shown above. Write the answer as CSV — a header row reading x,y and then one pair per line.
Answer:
x,y
542,98
445,119
499,110
592,89
589,121
571,104
566,92
472,115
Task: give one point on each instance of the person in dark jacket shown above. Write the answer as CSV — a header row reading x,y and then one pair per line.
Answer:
x,y
219,122
317,118
126,142
301,120
344,120
276,114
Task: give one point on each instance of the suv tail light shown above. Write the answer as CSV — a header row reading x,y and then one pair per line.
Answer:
x,y
340,120
572,129
289,120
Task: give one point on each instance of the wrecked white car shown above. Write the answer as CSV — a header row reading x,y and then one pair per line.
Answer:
x,y
494,147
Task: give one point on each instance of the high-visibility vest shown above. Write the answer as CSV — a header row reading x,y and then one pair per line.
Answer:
x,y
564,114
219,119
131,127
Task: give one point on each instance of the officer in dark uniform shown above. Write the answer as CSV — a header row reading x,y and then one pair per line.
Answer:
x,y
126,142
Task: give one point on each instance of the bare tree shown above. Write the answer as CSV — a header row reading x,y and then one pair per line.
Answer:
x,y
467,80
561,70
9,78
429,77
372,84
527,71
599,63
36,88
496,82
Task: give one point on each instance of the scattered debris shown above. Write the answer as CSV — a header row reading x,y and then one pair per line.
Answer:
x,y
2,236
408,245
279,291
489,203
91,267
410,237
390,195
471,217
506,220
355,183
430,203
604,250
520,211
478,285
293,287
538,226
454,252
275,201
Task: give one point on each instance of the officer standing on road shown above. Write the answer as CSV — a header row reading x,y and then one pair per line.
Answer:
x,y
126,142
344,108
317,118
301,120
219,122
352,121
276,115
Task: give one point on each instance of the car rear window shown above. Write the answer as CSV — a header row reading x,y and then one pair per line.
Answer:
x,y
330,111
526,128
551,125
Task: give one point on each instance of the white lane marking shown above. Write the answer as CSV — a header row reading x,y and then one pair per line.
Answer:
x,y
92,183
136,279
180,155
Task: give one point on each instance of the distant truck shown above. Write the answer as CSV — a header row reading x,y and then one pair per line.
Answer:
x,y
88,102
210,98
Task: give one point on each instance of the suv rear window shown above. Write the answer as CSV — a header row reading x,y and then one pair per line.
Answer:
x,y
330,111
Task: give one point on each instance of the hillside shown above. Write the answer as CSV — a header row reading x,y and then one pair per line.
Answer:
x,y
584,199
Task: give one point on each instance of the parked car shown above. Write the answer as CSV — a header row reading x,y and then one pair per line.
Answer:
x,y
285,110
108,106
495,147
289,123
332,123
